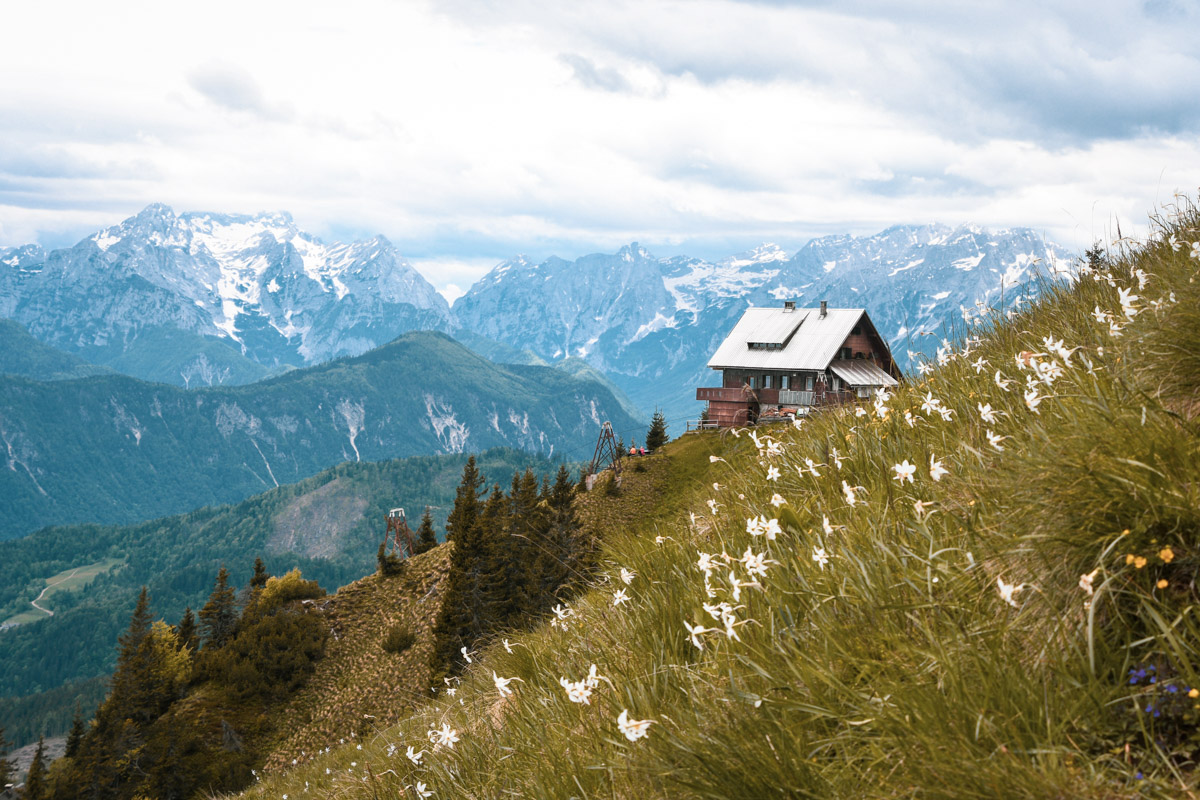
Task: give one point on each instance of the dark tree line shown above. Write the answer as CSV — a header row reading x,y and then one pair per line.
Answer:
x,y
514,555
186,708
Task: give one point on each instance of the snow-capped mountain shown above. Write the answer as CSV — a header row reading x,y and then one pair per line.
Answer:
x,y
275,294
651,324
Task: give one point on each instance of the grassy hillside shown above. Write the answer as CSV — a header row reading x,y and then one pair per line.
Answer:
x,y
981,586
117,450
328,525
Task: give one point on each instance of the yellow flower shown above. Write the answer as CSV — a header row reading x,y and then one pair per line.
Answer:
x,y
1162,583
1167,555
1128,559
1139,562
1194,693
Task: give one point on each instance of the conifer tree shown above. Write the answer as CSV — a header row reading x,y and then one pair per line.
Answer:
x,y
218,618
35,780
469,608
656,437
6,767
259,579
426,538
186,631
517,547
558,546
75,736
466,501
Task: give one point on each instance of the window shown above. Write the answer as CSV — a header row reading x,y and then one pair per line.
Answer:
x,y
766,381
864,391
808,383
783,382
752,381
845,352
859,355
835,383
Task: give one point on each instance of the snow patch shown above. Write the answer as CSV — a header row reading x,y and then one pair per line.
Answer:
x,y
829,266
659,322
969,263
940,296
906,267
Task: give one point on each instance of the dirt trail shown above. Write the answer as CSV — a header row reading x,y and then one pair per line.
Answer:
x,y
49,586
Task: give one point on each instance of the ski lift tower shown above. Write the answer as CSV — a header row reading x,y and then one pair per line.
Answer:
x,y
398,540
607,453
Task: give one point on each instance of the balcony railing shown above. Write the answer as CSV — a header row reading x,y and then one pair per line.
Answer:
x,y
737,395
792,397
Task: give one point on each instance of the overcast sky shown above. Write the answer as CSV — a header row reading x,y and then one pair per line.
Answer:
x,y
469,131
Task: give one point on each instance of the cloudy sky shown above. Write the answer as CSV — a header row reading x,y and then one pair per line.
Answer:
x,y
469,131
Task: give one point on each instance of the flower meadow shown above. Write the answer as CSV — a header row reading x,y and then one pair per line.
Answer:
x,y
981,584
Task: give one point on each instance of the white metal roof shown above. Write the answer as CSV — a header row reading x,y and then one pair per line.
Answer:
x,y
811,347
860,372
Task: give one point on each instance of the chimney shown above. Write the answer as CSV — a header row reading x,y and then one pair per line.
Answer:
x,y
824,309
789,305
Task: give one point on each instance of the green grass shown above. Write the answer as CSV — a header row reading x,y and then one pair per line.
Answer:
x,y
68,579
898,668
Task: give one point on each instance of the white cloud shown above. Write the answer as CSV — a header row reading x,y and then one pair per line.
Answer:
x,y
468,132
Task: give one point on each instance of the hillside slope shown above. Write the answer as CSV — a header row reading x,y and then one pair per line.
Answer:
x,y
116,450
982,585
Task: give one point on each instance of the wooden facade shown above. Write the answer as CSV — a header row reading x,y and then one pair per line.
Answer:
x,y
774,382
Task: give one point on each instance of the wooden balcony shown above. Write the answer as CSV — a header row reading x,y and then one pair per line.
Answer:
x,y
738,395
789,397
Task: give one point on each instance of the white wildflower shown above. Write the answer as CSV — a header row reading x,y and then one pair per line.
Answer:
x,y
936,470
712,506
502,684
904,472
421,791
633,729
1085,581
995,441
620,597
1002,382
1007,590
772,473
627,576
465,654
507,646
986,413
1195,250
414,755
577,691
706,563
820,556
1032,399
979,364
777,500
851,497
825,526
446,736
755,564
695,632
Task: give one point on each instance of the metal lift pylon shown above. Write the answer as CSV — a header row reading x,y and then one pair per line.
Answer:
x,y
608,453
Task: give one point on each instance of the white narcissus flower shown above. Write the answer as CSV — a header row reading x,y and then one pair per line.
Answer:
x,y
620,597
904,472
1174,242
414,755
446,736
1032,399
1085,581
577,691
995,441
820,556
502,684
930,404
772,473
777,500
754,525
712,506
826,526
507,646
714,459
755,564
919,508
986,413
851,497
860,412
633,729
695,632
465,654
979,364
1100,315
772,529
936,470
627,576
1007,590
909,419
924,367
1195,250
422,792
808,462
837,457
1002,382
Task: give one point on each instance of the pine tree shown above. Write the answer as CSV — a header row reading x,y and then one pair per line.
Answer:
x,y
35,780
75,737
656,437
6,767
259,579
388,563
426,538
559,546
218,618
469,606
186,631
518,547
466,502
